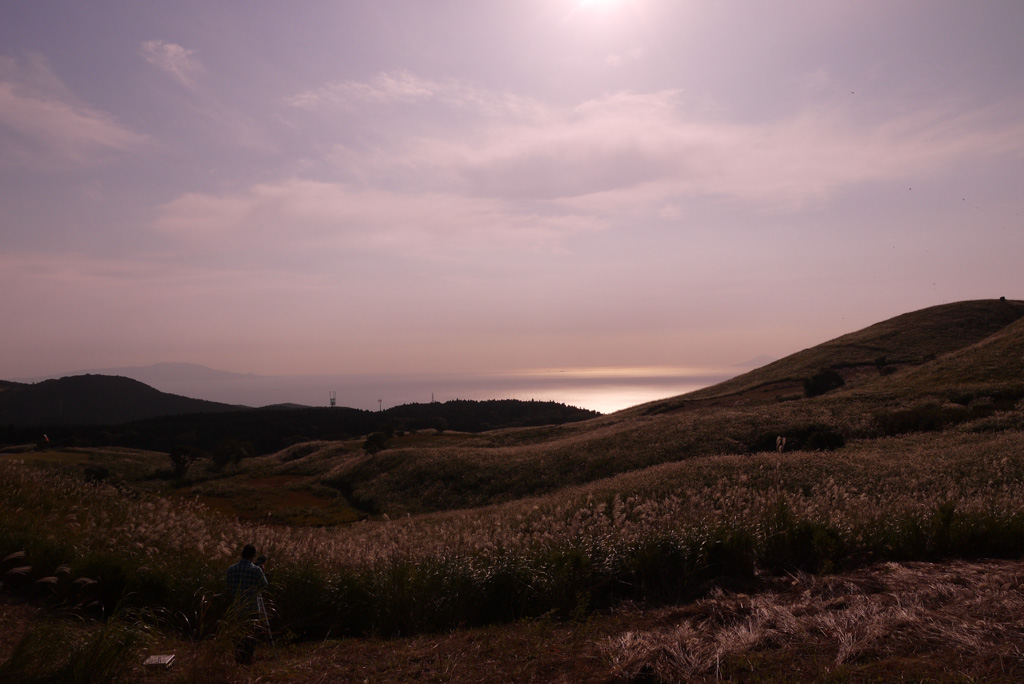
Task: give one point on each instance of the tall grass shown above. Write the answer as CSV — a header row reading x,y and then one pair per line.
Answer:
x,y
665,533
61,653
899,613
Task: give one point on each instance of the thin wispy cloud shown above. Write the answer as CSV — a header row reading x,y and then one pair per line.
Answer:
x,y
617,59
652,144
326,219
399,86
180,63
485,178
40,120
407,88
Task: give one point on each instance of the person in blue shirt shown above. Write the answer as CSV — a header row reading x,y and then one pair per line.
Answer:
x,y
245,579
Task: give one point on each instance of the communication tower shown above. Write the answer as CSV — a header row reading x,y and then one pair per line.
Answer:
x,y
334,399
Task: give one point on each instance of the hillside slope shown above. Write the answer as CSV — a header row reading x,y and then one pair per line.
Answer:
x,y
910,339
997,360
931,356
94,400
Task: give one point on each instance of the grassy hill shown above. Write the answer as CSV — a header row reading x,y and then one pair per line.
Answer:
x,y
671,539
932,356
910,339
994,362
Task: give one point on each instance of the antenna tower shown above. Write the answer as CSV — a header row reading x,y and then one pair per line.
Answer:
x,y
334,399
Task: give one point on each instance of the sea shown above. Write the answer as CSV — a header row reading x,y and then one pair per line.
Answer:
x,y
604,390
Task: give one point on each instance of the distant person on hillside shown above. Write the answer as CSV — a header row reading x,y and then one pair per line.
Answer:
x,y
245,580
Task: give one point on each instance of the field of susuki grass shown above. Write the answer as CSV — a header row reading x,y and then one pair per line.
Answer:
x,y
661,534
682,503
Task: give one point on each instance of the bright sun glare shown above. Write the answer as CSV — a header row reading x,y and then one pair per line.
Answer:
x,y
598,4
595,8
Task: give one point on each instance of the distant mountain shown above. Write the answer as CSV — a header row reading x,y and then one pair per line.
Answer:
x,y
93,400
156,374
247,389
194,380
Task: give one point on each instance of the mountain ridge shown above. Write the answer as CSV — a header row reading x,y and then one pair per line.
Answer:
x,y
155,372
94,399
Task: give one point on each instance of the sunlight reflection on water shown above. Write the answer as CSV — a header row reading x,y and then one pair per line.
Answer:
x,y
601,398
604,397
599,389
606,389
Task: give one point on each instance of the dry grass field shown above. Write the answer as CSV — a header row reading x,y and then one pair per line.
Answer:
x,y
669,542
956,621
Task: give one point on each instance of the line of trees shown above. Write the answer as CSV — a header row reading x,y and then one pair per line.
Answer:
x,y
230,436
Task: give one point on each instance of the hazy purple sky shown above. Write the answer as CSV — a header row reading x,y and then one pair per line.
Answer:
x,y
303,187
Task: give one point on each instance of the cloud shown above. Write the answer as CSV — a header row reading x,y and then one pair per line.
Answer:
x,y
405,88
628,150
46,118
398,86
180,63
618,59
321,220
487,172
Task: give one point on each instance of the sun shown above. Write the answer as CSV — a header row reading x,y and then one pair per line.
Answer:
x,y
598,4
596,8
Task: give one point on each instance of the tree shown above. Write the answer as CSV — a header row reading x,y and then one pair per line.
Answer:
x,y
439,424
231,450
181,458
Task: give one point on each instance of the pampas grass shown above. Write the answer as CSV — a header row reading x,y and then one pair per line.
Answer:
x,y
664,533
897,609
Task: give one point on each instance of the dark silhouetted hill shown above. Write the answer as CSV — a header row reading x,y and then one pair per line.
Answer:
x,y
108,410
93,400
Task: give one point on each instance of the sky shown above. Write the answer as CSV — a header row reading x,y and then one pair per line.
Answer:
x,y
487,187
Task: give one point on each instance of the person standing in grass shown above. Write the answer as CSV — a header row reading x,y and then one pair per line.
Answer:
x,y
245,580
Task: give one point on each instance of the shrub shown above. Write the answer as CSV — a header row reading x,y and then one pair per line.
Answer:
x,y
231,451
375,443
821,438
822,382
